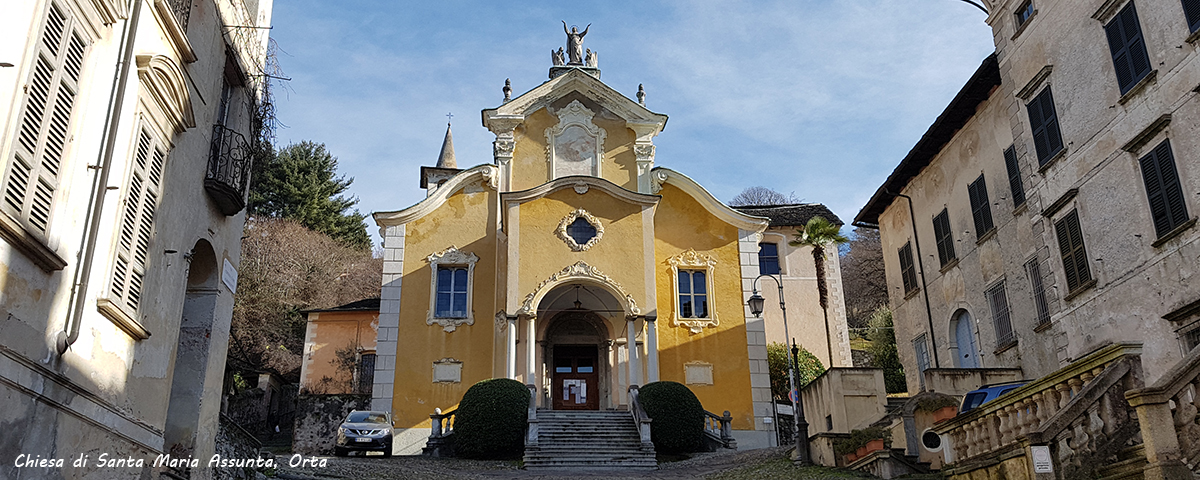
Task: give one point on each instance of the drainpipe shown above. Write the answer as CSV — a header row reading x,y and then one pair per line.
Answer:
x,y
112,122
924,289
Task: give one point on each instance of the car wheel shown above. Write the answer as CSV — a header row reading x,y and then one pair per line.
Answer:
x,y
339,452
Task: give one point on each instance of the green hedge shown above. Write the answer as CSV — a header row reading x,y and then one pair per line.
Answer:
x,y
491,420
677,424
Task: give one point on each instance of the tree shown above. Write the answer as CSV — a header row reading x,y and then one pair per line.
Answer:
x,y
301,183
863,277
808,368
883,350
756,196
818,233
287,268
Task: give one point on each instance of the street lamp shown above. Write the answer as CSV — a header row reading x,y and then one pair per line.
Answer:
x,y
755,302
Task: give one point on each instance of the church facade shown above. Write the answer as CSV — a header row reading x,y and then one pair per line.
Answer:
x,y
571,263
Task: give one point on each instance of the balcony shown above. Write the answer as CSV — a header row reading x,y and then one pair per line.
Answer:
x,y
228,170
182,10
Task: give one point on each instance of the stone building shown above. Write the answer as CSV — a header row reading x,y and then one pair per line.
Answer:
x,y
124,134
573,264
1047,213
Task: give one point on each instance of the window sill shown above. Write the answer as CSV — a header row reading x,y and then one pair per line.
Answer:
x,y
1025,25
1079,290
949,265
1052,160
1138,87
988,235
1193,37
1022,208
913,293
24,241
121,319
1174,233
1004,348
1043,327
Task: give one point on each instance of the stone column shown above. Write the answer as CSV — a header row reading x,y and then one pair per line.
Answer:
x,y
502,148
511,371
635,368
530,349
643,149
651,349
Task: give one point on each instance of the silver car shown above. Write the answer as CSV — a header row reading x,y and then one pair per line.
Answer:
x,y
365,431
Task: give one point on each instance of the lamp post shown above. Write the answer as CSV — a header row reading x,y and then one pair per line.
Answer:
x,y
755,302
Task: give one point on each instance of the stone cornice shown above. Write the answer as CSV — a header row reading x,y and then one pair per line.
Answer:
x,y
580,183
486,174
661,176
545,94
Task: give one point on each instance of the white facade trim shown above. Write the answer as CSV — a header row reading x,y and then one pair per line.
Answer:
x,y
662,176
581,272
562,234
690,260
486,174
451,257
574,115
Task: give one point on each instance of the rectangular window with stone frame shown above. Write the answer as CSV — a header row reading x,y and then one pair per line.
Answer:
x,y
1167,206
997,299
43,135
944,237
1073,252
921,351
768,258
451,300
981,208
1047,137
693,294
1037,286
1128,48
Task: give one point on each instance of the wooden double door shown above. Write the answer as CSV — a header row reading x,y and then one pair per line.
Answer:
x,y
576,380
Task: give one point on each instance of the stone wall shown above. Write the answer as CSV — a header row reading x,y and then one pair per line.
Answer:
x,y
234,442
317,419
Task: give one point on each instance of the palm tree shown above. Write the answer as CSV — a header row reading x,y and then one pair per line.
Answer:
x,y
819,233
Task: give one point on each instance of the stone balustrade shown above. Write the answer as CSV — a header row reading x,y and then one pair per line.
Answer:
x,y
719,429
442,427
1167,415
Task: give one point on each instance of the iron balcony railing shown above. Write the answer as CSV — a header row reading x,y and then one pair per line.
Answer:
x,y
182,10
228,170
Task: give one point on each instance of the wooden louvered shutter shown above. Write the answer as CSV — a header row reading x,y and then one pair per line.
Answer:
x,y
137,222
1167,207
1127,47
44,129
1014,176
1191,11
1074,255
981,210
1047,139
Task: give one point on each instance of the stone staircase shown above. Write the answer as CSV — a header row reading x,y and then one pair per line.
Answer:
x,y
594,440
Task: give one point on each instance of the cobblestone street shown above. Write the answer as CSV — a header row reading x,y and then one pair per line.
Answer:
x,y
754,464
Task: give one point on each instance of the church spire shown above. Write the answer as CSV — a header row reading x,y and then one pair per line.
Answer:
x,y
446,159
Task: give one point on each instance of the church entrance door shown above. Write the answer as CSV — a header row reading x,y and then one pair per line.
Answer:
x,y
576,384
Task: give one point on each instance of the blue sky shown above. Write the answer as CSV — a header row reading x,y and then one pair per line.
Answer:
x,y
819,98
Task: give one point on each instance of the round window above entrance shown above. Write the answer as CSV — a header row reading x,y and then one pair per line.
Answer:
x,y
580,230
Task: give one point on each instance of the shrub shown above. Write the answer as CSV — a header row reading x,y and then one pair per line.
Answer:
x,y
491,420
677,424
808,368
935,402
860,438
883,350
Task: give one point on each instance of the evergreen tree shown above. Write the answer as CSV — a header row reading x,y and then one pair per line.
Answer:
x,y
883,350
301,183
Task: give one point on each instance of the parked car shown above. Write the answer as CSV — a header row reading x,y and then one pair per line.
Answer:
x,y
987,393
365,431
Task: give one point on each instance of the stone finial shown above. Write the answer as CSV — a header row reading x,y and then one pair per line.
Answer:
x,y
446,158
507,90
641,95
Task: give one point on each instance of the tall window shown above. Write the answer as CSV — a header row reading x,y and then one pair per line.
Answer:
x,y
1034,269
1074,255
921,349
693,294
1047,138
1023,13
366,373
137,221
981,209
1191,11
451,292
768,258
1014,176
1162,189
43,132
998,302
944,237
908,271
1127,48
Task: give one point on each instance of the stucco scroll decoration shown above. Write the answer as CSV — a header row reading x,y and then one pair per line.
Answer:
x,y
578,270
451,256
491,177
692,260
645,151
576,145
569,219
657,179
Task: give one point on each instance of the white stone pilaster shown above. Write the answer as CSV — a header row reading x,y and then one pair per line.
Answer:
x,y
756,333
389,318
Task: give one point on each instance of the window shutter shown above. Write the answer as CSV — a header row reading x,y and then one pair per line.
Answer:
x,y
907,270
1127,48
944,237
1047,139
44,127
1074,255
1191,11
981,209
1014,176
1167,207
137,222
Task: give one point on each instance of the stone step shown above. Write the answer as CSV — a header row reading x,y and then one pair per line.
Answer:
x,y
601,440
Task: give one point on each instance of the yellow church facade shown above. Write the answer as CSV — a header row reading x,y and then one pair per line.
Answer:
x,y
573,264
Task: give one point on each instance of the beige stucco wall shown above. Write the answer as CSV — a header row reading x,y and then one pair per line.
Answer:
x,y
328,332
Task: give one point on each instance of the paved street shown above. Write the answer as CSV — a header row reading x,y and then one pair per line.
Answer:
x,y
754,464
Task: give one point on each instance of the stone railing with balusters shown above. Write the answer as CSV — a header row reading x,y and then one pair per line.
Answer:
x,y
719,430
531,431
1065,407
640,419
1167,415
439,443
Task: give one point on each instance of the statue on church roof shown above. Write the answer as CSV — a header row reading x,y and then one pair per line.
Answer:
x,y
557,57
591,58
575,43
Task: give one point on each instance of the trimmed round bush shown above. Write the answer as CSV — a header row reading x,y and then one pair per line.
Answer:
x,y
491,420
677,416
